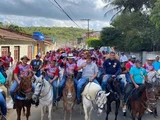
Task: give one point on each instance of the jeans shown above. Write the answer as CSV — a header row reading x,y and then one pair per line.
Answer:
x,y
128,79
13,88
79,75
3,105
80,84
128,89
62,85
105,83
38,73
54,85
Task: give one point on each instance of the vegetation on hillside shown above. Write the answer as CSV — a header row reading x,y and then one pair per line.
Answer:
x,y
61,34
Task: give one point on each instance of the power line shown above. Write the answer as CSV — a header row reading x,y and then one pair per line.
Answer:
x,y
54,4
66,13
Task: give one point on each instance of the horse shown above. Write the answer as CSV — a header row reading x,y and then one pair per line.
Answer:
x,y
44,94
114,96
23,96
69,96
154,79
93,97
141,99
10,76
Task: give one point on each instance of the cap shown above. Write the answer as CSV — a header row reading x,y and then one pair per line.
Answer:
x,y
138,61
37,56
132,56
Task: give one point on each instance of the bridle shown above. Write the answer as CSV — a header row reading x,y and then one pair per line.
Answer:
x,y
40,91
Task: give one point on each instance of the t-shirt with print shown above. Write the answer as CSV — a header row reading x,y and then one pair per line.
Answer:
x,y
138,74
52,71
89,70
22,70
36,64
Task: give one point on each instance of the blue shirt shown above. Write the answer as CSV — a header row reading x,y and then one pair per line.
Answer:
x,y
138,74
156,65
112,67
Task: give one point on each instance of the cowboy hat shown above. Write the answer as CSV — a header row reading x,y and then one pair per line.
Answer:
x,y
25,57
70,55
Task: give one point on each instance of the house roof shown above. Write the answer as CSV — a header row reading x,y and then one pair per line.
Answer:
x,y
10,35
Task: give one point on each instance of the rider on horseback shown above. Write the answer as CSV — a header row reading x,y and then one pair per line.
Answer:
x,y
21,70
36,65
112,69
52,76
70,68
138,76
156,63
148,65
7,61
89,73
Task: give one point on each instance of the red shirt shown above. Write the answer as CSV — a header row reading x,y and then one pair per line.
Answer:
x,y
52,71
7,61
70,68
21,70
129,65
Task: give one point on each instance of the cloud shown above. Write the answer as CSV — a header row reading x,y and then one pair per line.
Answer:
x,y
43,13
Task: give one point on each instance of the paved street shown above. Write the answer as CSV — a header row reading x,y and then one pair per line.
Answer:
x,y
58,115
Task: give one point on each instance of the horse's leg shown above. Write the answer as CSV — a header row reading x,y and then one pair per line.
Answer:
x,y
85,108
19,113
108,109
117,108
141,112
71,111
42,112
65,109
23,111
134,114
50,111
28,112
89,113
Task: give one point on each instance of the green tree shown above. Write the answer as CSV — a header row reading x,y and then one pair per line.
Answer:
x,y
155,14
94,42
125,6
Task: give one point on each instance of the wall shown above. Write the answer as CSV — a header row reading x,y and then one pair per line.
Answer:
x,y
23,49
144,55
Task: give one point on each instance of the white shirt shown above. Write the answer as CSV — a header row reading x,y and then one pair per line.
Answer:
x,y
123,58
80,62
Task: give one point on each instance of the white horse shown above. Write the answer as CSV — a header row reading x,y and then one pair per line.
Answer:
x,y
9,78
43,93
93,96
154,78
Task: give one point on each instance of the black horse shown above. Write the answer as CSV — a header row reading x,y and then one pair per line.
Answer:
x,y
116,86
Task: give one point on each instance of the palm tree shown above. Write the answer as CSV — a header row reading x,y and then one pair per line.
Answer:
x,y
123,6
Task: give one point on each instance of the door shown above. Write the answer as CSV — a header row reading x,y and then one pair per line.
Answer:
x,y
30,52
4,50
16,53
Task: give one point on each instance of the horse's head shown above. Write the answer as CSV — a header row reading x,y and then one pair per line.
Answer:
x,y
101,100
69,89
39,87
150,96
26,84
116,86
158,74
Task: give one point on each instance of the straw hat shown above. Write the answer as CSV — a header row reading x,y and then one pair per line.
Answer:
x,y
25,57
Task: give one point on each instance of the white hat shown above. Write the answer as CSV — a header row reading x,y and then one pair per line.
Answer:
x,y
70,55
132,56
150,58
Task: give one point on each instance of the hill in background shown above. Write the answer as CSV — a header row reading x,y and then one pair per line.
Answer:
x,y
61,34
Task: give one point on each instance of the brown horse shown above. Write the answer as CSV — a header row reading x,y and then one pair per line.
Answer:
x,y
23,97
145,100
69,96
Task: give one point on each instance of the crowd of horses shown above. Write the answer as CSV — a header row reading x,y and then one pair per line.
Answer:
x,y
92,96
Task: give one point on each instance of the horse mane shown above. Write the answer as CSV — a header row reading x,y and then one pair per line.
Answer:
x,y
91,90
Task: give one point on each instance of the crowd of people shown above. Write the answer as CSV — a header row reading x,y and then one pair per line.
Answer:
x,y
86,66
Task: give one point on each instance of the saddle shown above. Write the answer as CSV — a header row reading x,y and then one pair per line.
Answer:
x,y
138,92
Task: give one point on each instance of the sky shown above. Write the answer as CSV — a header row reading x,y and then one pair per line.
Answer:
x,y
46,13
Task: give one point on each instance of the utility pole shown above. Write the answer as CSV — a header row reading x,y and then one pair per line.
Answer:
x,y
88,20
